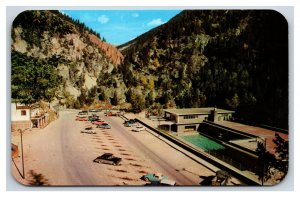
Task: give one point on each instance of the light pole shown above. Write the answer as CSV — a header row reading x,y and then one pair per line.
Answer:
x,y
23,168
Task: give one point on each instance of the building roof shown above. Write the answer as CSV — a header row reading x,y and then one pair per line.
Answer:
x,y
23,106
195,111
20,106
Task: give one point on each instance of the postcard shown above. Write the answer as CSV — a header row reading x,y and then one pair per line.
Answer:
x,y
149,98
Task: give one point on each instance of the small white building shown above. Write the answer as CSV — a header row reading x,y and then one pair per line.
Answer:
x,y
27,117
20,116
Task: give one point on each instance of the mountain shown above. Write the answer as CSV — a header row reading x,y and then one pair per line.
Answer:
x,y
235,59
72,53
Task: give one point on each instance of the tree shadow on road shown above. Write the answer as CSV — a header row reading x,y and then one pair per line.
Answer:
x,y
207,180
37,179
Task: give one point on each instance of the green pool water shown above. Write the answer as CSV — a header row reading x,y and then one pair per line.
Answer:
x,y
203,142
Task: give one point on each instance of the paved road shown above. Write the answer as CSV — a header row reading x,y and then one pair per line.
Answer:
x,y
61,154
74,158
64,155
158,159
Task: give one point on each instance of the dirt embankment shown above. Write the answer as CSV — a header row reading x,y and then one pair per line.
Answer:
x,y
111,52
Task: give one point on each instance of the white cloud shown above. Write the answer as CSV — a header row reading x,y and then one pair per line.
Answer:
x,y
103,19
135,15
155,22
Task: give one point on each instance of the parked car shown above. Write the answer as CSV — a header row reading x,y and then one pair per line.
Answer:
x,y
138,128
154,178
98,122
93,118
130,121
164,182
95,110
88,130
108,158
109,114
81,118
168,182
128,124
83,112
82,115
103,126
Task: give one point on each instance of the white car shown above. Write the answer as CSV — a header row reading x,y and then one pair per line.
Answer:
x,y
167,182
88,130
138,128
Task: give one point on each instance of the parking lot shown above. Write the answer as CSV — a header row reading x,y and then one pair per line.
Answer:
x,y
64,155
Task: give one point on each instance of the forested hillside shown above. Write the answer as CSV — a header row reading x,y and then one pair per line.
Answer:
x,y
59,59
232,59
229,59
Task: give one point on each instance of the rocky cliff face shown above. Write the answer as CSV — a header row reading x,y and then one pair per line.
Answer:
x,y
110,51
78,54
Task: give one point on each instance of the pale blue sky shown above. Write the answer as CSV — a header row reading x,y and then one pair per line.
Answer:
x,y
121,26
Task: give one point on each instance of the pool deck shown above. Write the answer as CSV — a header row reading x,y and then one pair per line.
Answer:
x,y
153,124
267,134
250,144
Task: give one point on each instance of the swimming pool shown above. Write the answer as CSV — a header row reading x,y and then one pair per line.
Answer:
x,y
203,142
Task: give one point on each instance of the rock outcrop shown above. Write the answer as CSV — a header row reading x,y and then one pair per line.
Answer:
x,y
78,54
110,51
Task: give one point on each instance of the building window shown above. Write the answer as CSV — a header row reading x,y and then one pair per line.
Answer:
x,y
172,118
190,117
23,113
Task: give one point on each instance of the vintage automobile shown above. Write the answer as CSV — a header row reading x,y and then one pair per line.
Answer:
x,y
138,128
95,110
88,130
154,178
108,158
103,126
109,114
129,123
168,182
81,118
93,118
164,182
98,122
83,112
